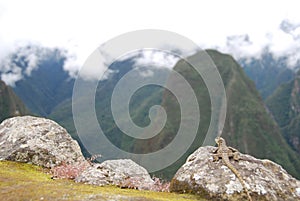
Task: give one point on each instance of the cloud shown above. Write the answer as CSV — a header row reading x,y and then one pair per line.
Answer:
x,y
11,73
96,66
156,59
289,44
211,24
146,73
292,28
286,42
30,56
241,46
25,58
282,40
147,60
71,64
11,78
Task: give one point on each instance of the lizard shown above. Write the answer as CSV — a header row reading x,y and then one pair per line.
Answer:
x,y
225,152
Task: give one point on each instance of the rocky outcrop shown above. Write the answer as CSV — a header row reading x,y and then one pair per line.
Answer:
x,y
264,179
38,141
123,172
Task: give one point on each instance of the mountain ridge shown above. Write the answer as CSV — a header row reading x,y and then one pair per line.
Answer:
x,y
10,104
284,105
268,72
248,126
43,82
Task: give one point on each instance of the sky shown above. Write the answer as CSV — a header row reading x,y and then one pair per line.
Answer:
x,y
241,28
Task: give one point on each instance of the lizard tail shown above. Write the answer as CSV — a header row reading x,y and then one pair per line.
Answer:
x,y
230,166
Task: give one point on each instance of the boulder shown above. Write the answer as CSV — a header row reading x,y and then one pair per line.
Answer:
x,y
123,172
38,141
265,180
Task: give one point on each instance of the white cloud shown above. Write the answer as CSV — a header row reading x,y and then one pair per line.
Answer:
x,y
146,73
156,59
31,55
27,56
11,78
81,26
281,40
71,64
10,73
32,60
241,46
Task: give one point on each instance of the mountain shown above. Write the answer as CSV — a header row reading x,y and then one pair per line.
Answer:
x,y
248,126
46,90
268,72
140,103
44,83
10,104
284,104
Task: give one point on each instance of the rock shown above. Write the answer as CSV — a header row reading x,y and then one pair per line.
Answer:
x,y
123,172
38,141
264,179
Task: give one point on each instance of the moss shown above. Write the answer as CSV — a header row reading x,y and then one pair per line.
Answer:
x,y
179,187
184,187
20,181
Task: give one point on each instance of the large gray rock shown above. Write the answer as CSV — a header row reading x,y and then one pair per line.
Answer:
x,y
38,141
265,180
123,172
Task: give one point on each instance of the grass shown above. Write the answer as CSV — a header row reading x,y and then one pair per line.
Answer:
x,y
20,181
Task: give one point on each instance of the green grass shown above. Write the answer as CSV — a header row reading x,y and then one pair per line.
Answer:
x,y
20,181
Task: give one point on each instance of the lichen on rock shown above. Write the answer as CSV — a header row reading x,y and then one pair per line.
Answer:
x,y
38,141
265,180
123,172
